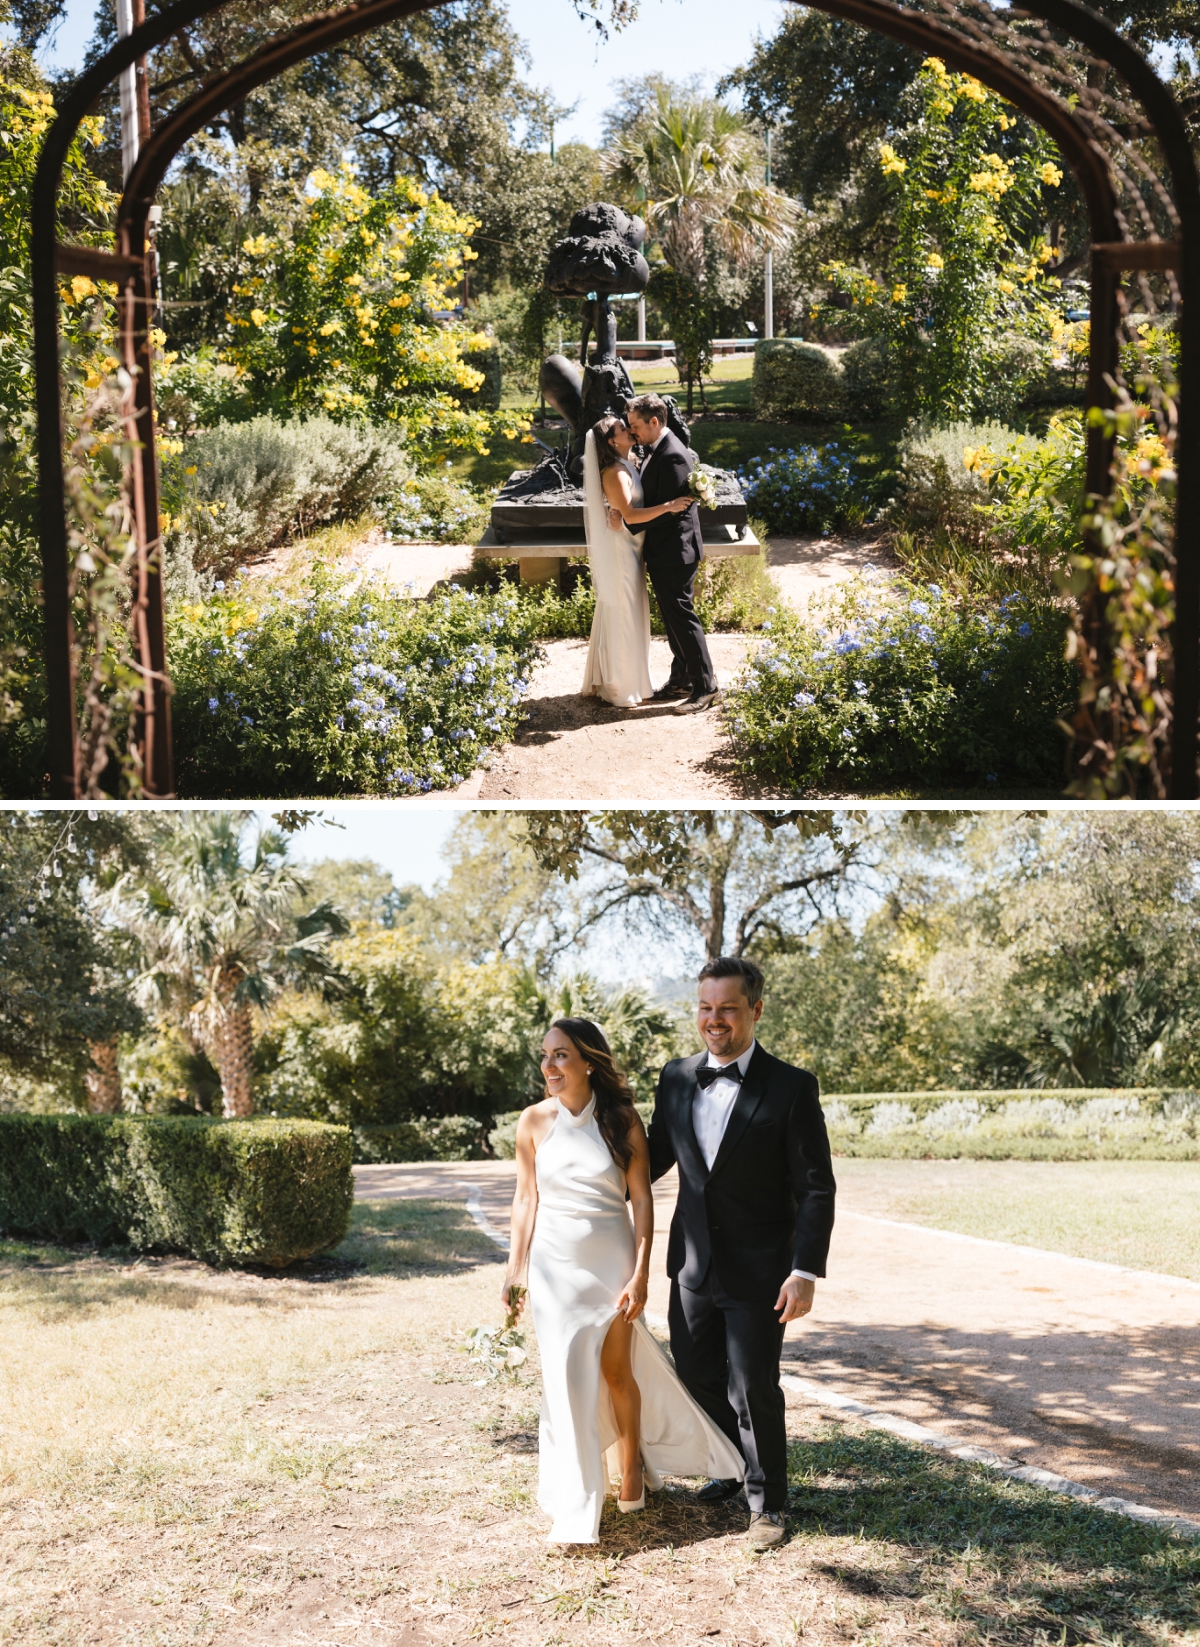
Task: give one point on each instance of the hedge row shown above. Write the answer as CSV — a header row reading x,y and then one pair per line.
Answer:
x,y
441,1138
1042,1124
228,1192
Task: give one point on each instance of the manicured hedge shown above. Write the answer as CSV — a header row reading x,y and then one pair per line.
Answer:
x,y
796,380
229,1192
503,1136
439,1138
1024,1123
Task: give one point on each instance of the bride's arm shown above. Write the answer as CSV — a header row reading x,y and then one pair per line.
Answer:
x,y
524,1207
619,493
637,1178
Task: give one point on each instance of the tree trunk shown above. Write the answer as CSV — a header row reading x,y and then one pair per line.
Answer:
x,y
235,1061
103,1079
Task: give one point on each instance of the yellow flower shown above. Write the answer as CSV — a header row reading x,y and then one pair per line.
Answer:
x,y
1007,287
971,88
899,293
936,66
259,316
935,260
329,328
190,470
891,161
82,287
354,280
1050,175
257,245
395,330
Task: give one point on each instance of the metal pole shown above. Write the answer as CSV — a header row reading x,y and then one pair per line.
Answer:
x,y
129,94
642,319
769,269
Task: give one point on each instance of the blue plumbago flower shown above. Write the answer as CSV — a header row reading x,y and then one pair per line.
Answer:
x,y
219,586
919,606
925,633
846,732
935,589
992,778
985,674
804,700
861,688
847,642
247,721
427,733
1024,631
213,705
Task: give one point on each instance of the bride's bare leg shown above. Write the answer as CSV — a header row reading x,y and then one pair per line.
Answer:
x,y
616,1367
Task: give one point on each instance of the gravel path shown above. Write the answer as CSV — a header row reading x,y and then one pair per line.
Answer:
x,y
1085,1370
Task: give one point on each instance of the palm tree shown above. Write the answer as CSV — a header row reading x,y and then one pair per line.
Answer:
x,y
220,935
694,170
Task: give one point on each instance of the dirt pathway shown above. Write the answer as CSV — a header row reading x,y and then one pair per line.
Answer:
x,y
1089,1372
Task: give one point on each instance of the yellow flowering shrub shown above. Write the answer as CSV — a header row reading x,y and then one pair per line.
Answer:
x,y
970,179
340,316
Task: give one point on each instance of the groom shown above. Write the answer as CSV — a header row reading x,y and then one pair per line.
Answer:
x,y
672,550
751,1227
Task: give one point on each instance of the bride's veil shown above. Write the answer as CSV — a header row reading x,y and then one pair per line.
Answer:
x,y
595,523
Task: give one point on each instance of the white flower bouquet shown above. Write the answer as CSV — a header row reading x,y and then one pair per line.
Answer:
x,y
702,484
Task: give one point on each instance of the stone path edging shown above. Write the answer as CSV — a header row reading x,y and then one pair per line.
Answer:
x,y
821,1396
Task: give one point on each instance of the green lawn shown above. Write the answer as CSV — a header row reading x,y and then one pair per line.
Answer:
x,y
1145,1214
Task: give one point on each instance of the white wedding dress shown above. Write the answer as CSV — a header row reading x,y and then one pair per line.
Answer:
x,y
618,657
580,1259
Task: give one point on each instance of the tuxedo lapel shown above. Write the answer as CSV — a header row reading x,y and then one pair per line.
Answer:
x,y
754,1084
687,1131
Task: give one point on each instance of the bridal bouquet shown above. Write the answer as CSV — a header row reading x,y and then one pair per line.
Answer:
x,y
500,1352
702,484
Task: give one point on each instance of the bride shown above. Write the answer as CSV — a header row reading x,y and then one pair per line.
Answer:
x,y
611,1400
618,659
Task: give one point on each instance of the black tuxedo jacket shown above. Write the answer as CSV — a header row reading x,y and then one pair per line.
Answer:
x,y
664,476
766,1208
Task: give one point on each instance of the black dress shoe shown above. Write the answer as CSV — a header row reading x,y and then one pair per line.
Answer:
x,y
716,1492
671,692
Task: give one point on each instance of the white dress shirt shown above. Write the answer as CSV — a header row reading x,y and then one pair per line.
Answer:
x,y
711,1108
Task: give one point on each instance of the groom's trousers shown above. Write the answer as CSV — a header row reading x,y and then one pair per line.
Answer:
x,y
672,583
727,1353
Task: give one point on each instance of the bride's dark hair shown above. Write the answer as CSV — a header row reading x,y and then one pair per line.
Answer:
x,y
606,453
615,1114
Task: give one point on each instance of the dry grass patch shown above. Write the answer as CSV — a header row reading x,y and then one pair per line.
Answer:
x,y
201,1457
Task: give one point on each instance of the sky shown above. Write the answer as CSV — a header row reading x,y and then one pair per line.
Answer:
x,y
677,38
407,844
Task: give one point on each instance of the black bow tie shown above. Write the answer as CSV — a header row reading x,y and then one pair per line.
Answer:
x,y
708,1073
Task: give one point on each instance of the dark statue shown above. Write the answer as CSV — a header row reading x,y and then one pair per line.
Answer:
x,y
601,255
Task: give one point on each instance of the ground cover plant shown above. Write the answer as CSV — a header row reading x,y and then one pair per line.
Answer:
x,y
899,684
217,1457
1061,1206
343,685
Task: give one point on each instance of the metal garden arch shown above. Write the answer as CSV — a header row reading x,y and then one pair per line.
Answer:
x,y
1137,227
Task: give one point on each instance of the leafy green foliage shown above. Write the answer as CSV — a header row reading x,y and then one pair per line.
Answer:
x,y
902,685
344,686
796,381
446,1138
62,972
692,323
245,1192
968,265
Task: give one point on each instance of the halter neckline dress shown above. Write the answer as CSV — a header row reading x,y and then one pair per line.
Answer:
x,y
581,1257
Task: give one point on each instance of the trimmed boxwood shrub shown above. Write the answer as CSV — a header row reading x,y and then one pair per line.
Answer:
x,y
228,1192
440,1138
795,380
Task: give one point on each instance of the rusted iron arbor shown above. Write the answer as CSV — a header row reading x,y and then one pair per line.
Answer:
x,y
1057,61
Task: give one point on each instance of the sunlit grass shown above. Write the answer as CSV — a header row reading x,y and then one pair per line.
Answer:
x,y
1145,1214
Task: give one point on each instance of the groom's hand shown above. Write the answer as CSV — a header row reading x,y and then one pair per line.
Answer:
x,y
795,1298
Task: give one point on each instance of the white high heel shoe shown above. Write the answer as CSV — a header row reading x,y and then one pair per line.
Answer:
x,y
628,1506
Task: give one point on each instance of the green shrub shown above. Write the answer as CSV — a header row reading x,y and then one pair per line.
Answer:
x,y
901,685
238,490
348,686
1048,1124
937,492
796,382
227,1192
436,1138
868,378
